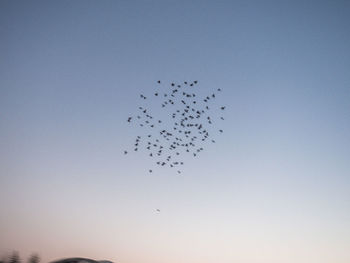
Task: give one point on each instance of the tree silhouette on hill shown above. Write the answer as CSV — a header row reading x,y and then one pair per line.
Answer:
x,y
15,258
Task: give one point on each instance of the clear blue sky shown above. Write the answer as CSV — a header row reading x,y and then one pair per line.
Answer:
x,y
275,186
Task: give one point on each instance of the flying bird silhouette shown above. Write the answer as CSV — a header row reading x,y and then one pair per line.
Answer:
x,y
190,124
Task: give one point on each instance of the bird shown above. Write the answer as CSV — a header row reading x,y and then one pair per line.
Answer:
x,y
158,210
125,152
186,131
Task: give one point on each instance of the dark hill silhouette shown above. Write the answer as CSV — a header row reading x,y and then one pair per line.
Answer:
x,y
80,260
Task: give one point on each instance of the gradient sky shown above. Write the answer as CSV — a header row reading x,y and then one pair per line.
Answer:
x,y
275,186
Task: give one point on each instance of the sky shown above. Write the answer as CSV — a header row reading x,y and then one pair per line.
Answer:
x,y
275,186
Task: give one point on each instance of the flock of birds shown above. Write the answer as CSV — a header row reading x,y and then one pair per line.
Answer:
x,y
187,125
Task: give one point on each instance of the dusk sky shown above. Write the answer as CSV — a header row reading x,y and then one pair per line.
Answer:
x,y
274,188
